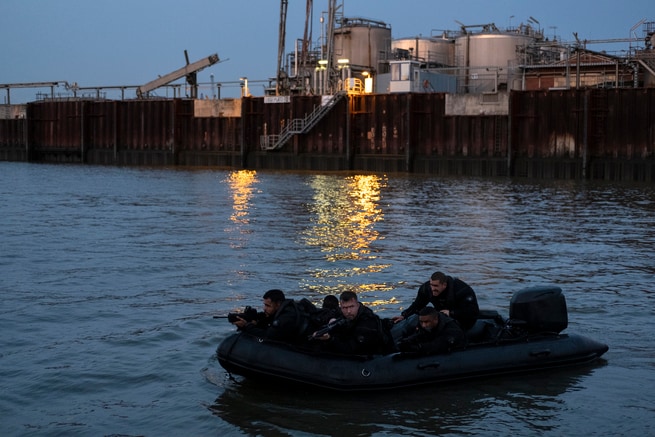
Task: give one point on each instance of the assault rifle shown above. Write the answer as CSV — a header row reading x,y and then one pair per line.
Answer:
x,y
250,314
328,328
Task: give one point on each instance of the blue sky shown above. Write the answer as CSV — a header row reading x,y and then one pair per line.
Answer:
x,y
121,42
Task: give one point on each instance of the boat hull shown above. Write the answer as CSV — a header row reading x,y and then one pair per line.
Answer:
x,y
242,354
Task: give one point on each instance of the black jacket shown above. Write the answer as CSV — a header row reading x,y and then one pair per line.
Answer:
x,y
445,337
364,335
289,323
319,317
458,297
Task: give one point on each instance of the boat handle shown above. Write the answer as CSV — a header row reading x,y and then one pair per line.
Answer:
x,y
540,354
427,365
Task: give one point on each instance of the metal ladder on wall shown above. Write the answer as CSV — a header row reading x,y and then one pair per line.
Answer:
x,y
299,125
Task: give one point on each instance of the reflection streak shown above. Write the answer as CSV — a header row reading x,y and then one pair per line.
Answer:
x,y
241,184
345,211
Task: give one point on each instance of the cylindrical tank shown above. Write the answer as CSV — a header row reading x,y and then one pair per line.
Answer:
x,y
489,49
488,58
433,51
363,42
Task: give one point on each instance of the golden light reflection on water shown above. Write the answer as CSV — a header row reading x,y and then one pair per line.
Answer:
x,y
343,212
343,227
242,187
241,184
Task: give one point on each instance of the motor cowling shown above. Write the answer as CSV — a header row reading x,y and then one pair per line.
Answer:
x,y
543,309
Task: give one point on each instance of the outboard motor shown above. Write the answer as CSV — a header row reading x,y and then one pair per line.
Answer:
x,y
542,309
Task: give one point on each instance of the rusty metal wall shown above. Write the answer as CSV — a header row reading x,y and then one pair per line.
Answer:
x,y
55,125
564,133
547,124
379,124
594,123
254,119
13,139
12,132
100,124
627,122
328,137
159,125
400,124
145,125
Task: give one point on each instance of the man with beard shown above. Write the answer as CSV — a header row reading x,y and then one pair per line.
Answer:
x,y
361,333
436,333
282,320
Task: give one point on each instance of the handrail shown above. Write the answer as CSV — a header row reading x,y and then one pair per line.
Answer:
x,y
299,125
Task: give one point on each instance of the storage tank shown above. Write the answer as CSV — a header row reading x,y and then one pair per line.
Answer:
x,y
433,51
488,59
365,43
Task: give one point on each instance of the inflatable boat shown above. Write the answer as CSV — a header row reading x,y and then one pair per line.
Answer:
x,y
530,340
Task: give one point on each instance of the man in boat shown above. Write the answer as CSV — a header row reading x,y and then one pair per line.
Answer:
x,y
452,296
436,333
320,317
282,320
361,334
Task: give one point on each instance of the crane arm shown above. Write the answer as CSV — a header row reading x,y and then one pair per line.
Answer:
x,y
177,74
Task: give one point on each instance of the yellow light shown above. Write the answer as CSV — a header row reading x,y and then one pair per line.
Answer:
x,y
241,184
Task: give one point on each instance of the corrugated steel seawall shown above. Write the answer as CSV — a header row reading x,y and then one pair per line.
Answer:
x,y
594,134
571,134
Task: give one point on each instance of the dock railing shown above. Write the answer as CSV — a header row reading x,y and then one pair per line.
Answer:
x,y
299,125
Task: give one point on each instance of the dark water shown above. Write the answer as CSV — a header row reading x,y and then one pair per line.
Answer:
x,y
110,278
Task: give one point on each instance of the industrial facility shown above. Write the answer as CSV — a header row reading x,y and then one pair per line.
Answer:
x,y
478,99
474,58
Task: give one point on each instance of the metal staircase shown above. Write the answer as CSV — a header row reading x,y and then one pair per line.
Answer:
x,y
300,125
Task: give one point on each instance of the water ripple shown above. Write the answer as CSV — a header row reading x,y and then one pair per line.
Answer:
x,y
111,276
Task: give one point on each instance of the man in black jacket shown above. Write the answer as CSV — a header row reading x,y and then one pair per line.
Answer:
x,y
320,317
452,296
282,320
436,333
361,334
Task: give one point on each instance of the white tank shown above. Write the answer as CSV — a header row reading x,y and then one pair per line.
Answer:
x,y
488,59
492,49
365,43
436,51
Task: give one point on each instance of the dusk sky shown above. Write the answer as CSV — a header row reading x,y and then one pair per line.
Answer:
x,y
120,42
